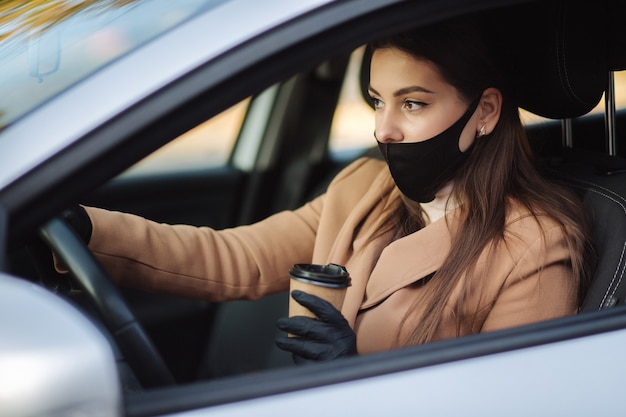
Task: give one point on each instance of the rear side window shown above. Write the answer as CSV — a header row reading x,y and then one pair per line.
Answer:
x,y
352,130
620,90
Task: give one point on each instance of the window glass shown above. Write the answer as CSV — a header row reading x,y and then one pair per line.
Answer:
x,y
207,145
352,129
620,90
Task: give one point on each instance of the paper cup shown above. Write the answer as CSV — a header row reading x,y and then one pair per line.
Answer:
x,y
328,282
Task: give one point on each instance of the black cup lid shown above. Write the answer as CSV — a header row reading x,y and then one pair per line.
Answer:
x,y
334,274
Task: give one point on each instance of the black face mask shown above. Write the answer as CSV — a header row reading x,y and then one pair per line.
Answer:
x,y
420,169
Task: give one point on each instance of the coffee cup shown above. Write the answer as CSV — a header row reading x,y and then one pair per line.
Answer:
x,y
328,282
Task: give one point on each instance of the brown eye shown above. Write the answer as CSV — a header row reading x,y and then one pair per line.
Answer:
x,y
412,105
378,104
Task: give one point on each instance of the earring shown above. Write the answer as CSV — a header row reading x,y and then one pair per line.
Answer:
x,y
482,132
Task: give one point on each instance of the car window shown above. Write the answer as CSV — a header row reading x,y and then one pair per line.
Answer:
x,y
620,90
207,145
352,129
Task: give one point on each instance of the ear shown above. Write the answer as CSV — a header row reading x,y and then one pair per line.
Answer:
x,y
489,108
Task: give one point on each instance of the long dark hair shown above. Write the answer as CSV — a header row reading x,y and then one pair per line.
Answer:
x,y
504,157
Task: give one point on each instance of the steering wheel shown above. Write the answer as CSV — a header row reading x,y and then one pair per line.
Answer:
x,y
132,340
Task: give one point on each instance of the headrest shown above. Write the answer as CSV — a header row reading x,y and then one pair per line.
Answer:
x,y
555,52
616,10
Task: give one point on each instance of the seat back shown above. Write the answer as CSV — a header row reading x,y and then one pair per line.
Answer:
x,y
563,76
578,63
602,187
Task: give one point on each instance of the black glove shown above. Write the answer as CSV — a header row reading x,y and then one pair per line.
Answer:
x,y
328,338
78,220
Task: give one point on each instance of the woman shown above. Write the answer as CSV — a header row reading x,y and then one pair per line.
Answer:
x,y
456,234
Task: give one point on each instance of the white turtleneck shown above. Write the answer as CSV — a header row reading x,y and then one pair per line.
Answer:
x,y
437,208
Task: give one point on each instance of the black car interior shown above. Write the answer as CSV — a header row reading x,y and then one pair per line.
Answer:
x,y
564,65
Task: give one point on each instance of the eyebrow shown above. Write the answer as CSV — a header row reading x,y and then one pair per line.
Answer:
x,y
405,90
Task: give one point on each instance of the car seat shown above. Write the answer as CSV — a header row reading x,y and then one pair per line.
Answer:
x,y
576,68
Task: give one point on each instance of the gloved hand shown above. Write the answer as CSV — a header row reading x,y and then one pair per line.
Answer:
x,y
77,218
328,338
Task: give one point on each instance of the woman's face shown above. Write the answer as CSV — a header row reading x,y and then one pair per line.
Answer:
x,y
413,102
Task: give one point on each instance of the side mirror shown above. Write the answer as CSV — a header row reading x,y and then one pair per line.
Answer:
x,y
53,360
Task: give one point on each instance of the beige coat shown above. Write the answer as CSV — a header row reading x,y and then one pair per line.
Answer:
x,y
527,280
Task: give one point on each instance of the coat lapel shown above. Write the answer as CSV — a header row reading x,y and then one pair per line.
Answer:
x,y
378,268
408,260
